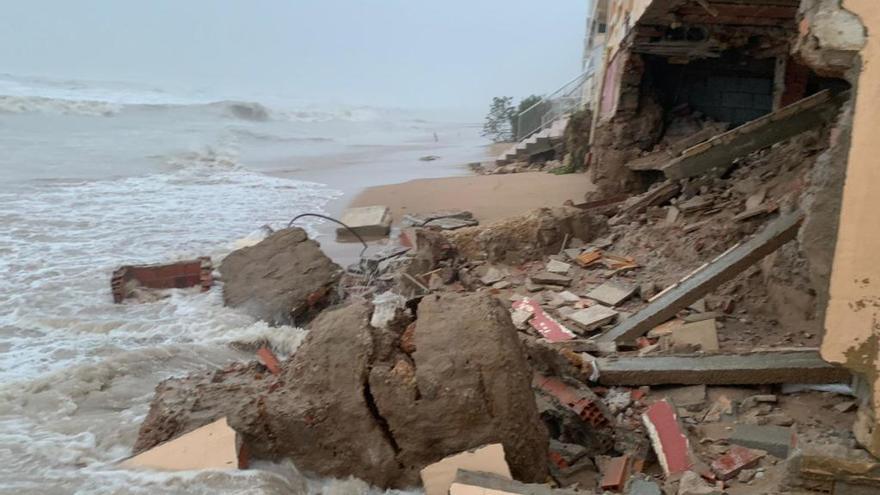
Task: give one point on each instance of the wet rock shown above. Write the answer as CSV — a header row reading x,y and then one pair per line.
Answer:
x,y
284,279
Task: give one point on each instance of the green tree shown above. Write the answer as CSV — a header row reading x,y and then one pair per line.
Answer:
x,y
498,124
524,104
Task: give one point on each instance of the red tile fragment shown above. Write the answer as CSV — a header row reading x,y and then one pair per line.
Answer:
x,y
670,443
543,323
268,359
615,474
735,460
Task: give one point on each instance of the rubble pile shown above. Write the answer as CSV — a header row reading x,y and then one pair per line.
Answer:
x,y
376,403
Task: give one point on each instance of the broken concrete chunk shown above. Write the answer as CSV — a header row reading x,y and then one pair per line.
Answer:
x,y
702,335
437,478
569,297
755,200
501,285
443,220
385,308
573,253
492,276
591,318
667,437
284,279
642,486
777,441
692,483
366,221
555,266
612,293
548,278
687,397
212,446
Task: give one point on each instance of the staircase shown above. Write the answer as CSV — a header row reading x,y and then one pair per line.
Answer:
x,y
538,142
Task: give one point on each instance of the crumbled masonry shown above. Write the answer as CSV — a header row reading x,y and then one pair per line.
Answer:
x,y
667,335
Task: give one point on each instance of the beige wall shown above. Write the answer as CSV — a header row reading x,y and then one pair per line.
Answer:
x,y
622,16
853,318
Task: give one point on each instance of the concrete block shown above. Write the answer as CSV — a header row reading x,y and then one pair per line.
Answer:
x,y
694,395
670,443
367,221
547,278
735,460
612,294
212,446
642,486
703,334
777,441
593,317
721,369
437,478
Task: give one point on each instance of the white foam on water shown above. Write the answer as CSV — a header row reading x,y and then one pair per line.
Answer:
x,y
77,372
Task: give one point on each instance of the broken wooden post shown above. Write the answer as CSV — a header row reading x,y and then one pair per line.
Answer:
x,y
710,276
721,369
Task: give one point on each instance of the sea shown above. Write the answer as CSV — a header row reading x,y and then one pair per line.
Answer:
x,y
97,174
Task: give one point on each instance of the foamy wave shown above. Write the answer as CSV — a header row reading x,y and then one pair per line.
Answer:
x,y
39,104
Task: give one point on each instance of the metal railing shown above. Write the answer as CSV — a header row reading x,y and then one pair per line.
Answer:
x,y
565,100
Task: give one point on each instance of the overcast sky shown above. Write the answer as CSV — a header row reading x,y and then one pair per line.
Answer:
x,y
408,53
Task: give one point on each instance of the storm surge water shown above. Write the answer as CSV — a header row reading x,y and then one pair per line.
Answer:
x,y
99,175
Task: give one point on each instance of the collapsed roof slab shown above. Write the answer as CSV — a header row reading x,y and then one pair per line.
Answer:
x,y
755,368
717,154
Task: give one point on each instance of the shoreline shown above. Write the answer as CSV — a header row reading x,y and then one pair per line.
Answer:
x,y
406,184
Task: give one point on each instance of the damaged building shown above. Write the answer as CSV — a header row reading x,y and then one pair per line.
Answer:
x,y
691,88
704,322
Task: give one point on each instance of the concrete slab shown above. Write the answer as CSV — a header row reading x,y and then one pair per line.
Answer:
x,y
437,478
212,446
721,369
367,221
555,266
591,318
666,304
703,334
547,278
719,152
612,293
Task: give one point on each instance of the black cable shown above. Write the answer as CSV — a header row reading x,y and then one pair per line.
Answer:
x,y
325,217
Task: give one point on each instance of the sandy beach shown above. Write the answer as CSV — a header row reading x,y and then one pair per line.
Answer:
x,y
396,178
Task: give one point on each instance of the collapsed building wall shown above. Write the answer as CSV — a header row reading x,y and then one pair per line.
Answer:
x,y
732,62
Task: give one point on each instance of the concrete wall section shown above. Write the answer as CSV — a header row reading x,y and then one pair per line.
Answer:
x,y
853,316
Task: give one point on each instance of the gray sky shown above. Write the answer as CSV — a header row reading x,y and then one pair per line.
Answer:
x,y
441,53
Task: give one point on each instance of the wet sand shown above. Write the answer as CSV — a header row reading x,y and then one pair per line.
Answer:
x,y
395,177
488,197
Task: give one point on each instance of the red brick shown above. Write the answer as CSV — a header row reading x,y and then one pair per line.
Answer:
x,y
735,460
268,359
669,440
615,474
